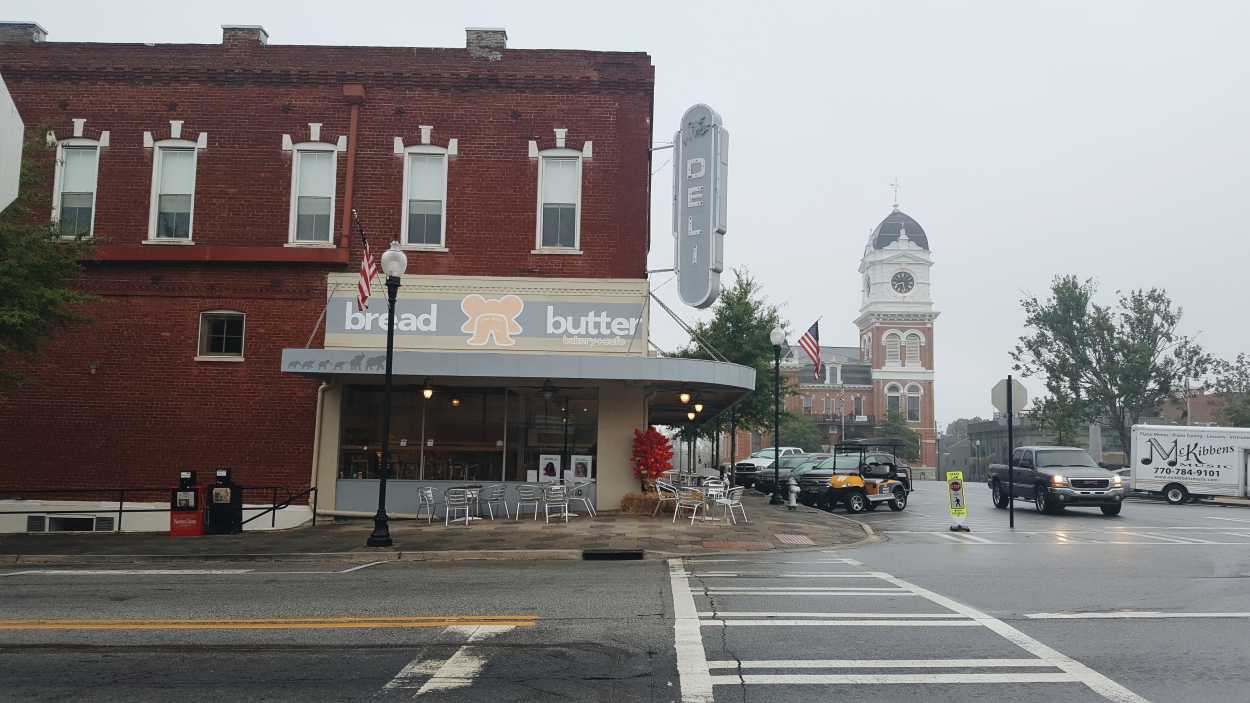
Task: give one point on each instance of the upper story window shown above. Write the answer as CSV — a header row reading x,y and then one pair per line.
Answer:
x,y
77,168
425,201
913,403
828,406
893,344
559,202
893,399
807,404
312,206
172,209
913,348
858,406
221,336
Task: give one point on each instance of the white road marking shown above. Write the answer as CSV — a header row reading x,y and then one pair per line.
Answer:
x,y
822,594
414,674
1233,519
877,679
130,572
460,670
1173,540
880,664
358,568
692,671
753,614
766,575
1130,614
847,562
778,622
1095,681
811,589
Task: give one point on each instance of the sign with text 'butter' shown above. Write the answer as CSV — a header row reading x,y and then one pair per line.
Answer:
x,y
700,174
495,314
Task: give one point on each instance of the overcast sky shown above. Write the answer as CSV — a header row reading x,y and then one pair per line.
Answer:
x,y
1108,139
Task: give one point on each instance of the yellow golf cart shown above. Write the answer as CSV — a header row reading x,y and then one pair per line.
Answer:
x,y
864,476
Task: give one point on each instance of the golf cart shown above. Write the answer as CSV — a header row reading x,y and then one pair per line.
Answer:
x,y
863,475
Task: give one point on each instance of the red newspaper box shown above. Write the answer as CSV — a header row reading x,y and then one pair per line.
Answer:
x,y
186,514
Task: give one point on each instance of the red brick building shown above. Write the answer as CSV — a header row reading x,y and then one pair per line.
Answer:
x,y
217,182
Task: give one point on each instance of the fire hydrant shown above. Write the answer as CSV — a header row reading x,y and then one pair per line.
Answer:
x,y
793,490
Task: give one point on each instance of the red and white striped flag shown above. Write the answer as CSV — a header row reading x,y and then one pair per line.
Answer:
x,y
368,271
810,341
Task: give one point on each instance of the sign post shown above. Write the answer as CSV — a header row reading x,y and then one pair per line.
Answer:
x,y
700,172
957,501
1009,397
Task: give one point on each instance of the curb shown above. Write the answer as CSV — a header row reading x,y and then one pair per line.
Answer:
x,y
350,557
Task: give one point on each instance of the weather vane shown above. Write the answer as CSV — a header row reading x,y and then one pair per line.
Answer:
x,y
895,186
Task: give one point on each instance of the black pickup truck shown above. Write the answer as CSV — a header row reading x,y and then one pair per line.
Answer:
x,y
1055,478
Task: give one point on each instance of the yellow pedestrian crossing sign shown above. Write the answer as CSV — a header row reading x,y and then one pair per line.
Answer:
x,y
958,504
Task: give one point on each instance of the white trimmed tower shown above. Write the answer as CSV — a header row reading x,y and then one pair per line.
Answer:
x,y
896,325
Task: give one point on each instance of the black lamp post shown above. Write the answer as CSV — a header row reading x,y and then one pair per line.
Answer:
x,y
394,263
777,337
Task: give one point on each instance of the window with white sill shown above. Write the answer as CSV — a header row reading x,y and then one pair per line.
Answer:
x,y
313,195
893,345
77,170
221,334
559,183
425,203
913,403
893,400
175,192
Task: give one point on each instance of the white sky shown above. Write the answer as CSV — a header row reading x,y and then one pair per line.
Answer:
x,y
1107,139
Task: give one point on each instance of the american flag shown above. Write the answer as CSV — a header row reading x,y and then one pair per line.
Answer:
x,y
810,341
368,270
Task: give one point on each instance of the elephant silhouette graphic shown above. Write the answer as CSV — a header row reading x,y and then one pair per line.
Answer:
x,y
308,364
375,362
293,365
323,365
491,320
356,361
338,365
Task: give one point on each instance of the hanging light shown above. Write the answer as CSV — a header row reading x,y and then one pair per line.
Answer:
x,y
455,402
684,396
427,390
698,407
691,415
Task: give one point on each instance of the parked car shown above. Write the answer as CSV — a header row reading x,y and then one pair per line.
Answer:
x,y
1055,478
747,471
789,464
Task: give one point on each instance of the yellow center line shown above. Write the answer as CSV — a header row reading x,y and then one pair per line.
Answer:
x,y
315,623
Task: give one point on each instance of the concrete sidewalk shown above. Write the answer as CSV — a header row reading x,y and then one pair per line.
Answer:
x,y
771,528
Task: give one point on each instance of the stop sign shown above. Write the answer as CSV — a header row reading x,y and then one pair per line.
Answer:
x,y
956,486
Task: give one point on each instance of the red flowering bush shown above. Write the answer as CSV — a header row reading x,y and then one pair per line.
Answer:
x,y
653,455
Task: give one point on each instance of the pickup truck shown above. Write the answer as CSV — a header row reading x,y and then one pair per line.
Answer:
x,y
748,470
1055,478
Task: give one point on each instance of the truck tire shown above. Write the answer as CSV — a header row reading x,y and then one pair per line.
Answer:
x,y
1000,498
1175,493
900,500
1112,510
856,502
1042,501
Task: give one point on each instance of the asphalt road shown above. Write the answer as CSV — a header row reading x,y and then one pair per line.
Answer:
x,y
1151,605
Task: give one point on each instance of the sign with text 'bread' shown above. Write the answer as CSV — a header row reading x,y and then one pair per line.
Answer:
x,y
495,314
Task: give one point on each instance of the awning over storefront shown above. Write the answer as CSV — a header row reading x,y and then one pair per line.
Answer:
x,y
717,384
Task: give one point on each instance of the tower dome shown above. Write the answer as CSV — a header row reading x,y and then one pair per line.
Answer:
x,y
895,224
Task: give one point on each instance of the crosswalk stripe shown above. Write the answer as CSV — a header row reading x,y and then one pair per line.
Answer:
x,y
880,664
779,622
881,679
778,614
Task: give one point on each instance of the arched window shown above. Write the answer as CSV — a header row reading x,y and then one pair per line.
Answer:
x,y
914,340
893,399
893,342
913,403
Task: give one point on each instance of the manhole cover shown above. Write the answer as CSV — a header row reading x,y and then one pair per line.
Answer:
x,y
794,539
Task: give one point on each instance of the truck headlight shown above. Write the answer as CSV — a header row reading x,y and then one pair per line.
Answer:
x,y
1117,481
1059,480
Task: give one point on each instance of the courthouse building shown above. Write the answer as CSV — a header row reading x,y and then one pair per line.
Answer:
x,y
217,183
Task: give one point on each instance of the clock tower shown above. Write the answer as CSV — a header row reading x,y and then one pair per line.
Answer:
x,y
895,324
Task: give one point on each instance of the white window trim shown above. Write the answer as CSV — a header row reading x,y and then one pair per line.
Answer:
x,y
919,395
428,149
200,336
58,175
902,399
885,345
296,150
154,191
559,153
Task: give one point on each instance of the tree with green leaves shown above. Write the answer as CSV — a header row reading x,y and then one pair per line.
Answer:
x,y
38,267
1232,379
802,431
742,319
1112,363
1060,417
896,427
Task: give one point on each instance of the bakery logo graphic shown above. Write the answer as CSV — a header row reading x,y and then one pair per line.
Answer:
x,y
491,319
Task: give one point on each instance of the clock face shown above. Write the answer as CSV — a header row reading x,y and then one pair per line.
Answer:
x,y
902,282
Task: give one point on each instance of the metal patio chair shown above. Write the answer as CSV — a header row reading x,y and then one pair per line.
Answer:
x,y
456,500
580,493
667,494
556,495
425,499
528,494
731,501
689,499
496,495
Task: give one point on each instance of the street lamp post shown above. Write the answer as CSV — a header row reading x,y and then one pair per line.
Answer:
x,y
777,337
394,262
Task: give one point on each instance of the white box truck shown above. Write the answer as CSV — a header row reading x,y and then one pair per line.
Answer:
x,y
1183,463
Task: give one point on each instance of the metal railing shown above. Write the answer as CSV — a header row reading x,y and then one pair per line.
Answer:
x,y
121,509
